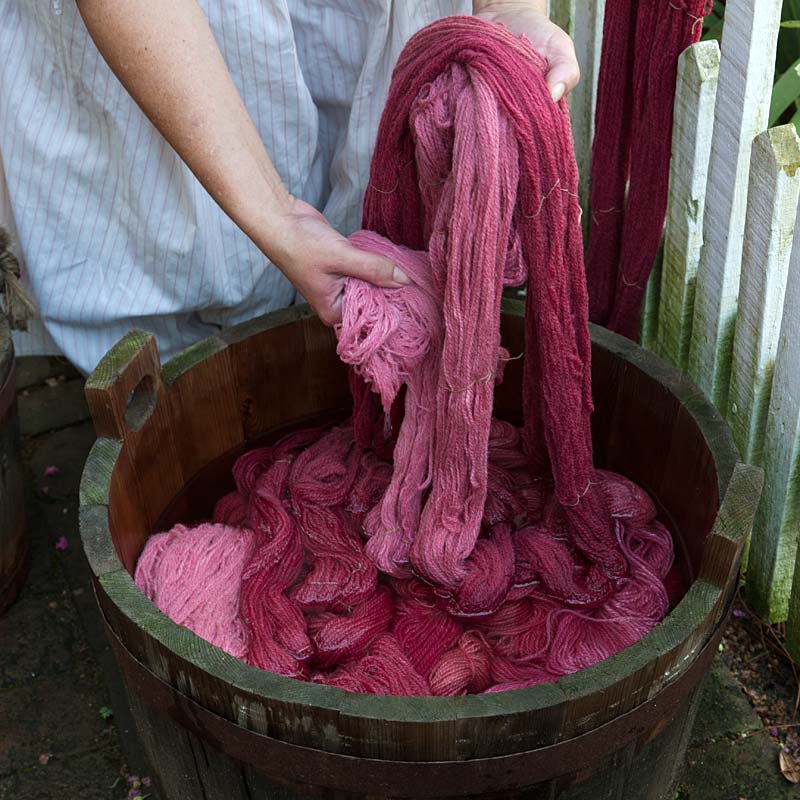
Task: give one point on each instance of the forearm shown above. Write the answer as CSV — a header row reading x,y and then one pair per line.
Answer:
x,y
482,6
165,55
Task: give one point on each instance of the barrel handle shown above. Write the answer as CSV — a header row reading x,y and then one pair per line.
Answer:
x,y
126,386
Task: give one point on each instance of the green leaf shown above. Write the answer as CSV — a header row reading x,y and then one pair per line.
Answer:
x,y
106,712
795,120
790,23
712,25
788,37
714,30
785,92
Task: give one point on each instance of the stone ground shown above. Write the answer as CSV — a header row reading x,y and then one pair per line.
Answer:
x,y
65,727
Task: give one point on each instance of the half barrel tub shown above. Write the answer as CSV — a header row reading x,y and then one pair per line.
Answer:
x,y
214,727
13,532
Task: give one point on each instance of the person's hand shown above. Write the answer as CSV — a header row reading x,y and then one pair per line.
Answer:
x,y
317,259
188,93
552,43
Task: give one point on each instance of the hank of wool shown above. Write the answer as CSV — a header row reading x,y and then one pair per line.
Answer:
x,y
424,547
474,165
631,150
209,556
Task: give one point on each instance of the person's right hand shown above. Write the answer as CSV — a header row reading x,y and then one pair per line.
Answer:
x,y
317,259
188,93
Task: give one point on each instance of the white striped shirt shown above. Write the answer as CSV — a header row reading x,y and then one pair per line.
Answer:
x,y
112,228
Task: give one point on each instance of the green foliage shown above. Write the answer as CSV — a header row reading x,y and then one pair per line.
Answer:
x,y
785,105
785,94
712,26
789,38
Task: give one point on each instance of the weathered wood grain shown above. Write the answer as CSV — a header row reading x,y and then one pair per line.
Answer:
x,y
769,227
773,547
742,107
696,91
731,528
584,23
606,765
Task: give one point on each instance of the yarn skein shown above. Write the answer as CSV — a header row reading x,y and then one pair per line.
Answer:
x,y
492,203
423,547
631,150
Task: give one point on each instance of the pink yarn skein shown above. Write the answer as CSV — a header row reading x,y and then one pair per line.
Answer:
x,y
194,575
424,547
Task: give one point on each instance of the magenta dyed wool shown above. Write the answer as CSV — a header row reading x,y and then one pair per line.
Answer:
x,y
424,547
631,150
474,164
210,558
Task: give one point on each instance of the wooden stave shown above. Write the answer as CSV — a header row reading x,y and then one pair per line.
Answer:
x,y
310,773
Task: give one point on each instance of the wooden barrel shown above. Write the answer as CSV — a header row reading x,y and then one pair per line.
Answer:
x,y
13,533
215,727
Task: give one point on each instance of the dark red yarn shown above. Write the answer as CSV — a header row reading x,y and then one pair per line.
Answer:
x,y
486,557
631,150
427,169
405,635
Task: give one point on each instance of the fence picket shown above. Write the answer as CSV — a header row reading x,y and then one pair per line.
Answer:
x,y
746,71
696,90
773,547
769,225
584,22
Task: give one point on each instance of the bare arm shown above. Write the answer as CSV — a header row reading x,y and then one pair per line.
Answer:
x,y
165,55
530,17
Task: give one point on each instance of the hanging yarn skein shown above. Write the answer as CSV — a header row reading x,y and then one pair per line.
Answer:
x,y
424,547
491,203
631,150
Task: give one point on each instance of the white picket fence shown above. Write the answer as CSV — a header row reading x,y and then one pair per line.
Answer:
x,y
723,302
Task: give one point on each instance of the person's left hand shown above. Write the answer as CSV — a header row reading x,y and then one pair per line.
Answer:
x,y
550,41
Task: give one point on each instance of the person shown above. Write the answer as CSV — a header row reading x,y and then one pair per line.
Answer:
x,y
184,165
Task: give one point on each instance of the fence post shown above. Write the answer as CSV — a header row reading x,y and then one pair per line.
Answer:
x,y
769,226
648,325
749,41
773,547
696,90
583,21
793,618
